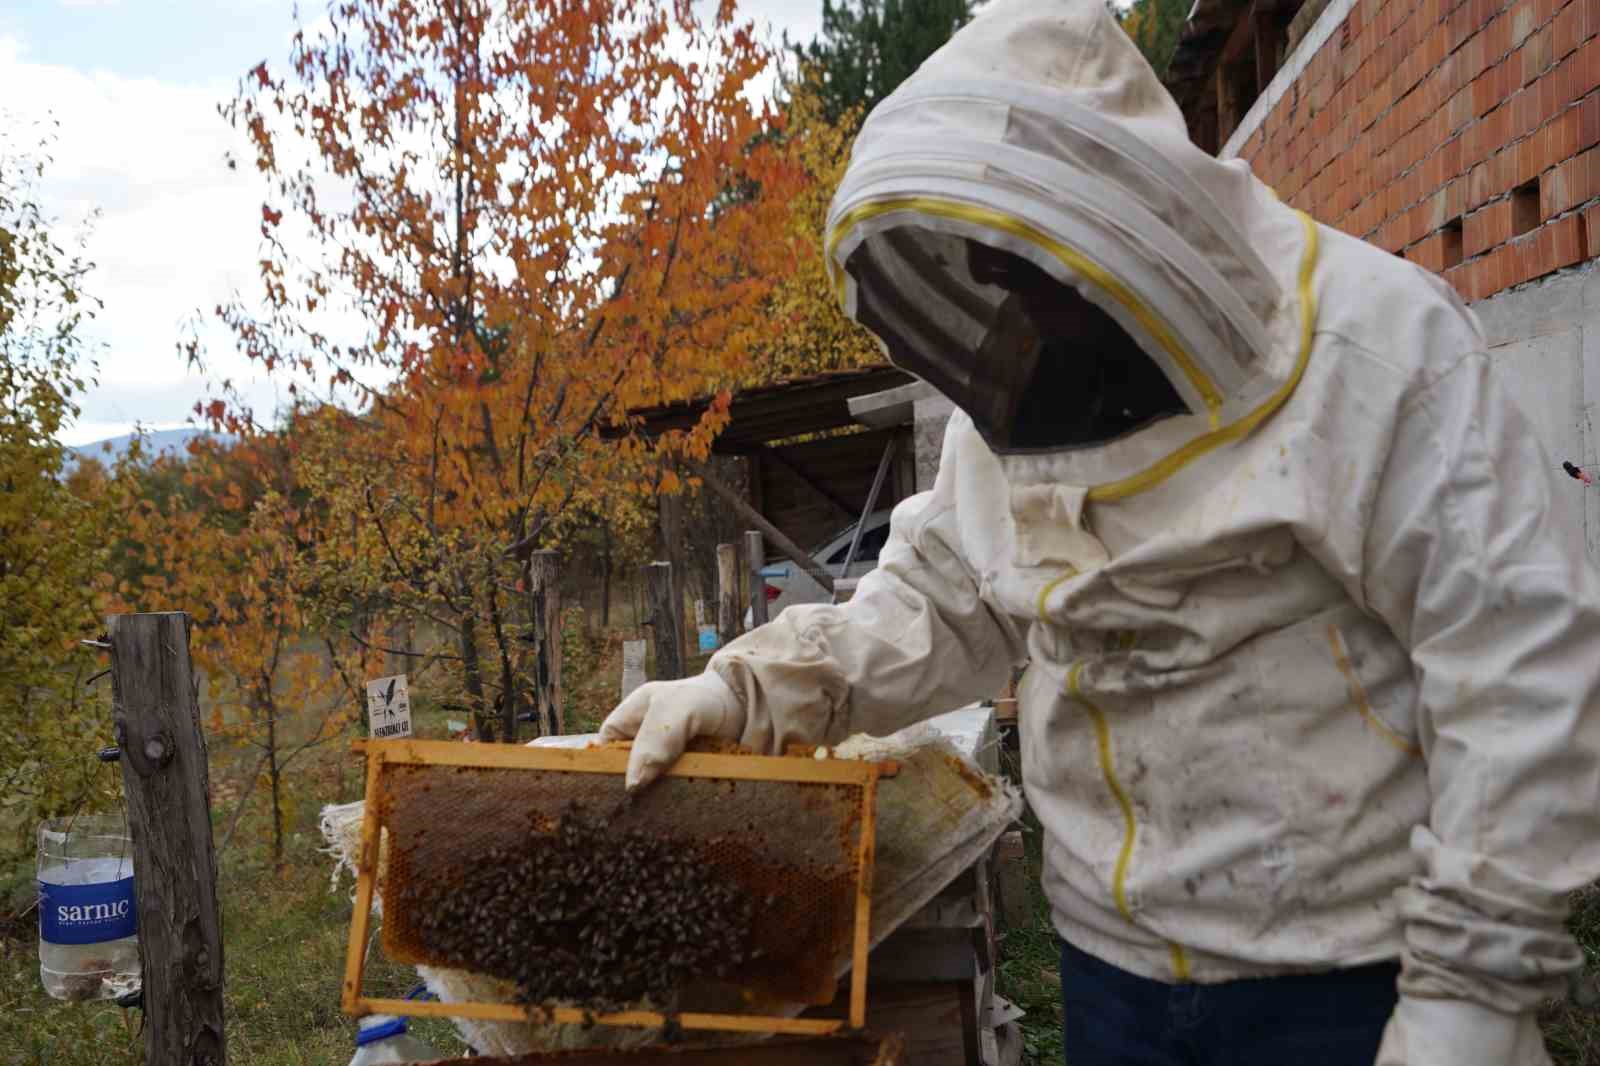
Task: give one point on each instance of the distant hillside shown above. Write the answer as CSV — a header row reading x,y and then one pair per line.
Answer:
x,y
159,442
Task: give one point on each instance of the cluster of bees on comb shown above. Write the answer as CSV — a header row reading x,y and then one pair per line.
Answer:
x,y
588,914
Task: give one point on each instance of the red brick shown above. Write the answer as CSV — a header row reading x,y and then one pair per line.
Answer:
x,y
1506,164
1536,55
1435,45
1484,229
1478,186
1500,271
1530,159
1591,232
1587,70
1557,186
1589,121
1567,241
1502,128
1483,279
1428,254
1497,36
1561,137
1522,257
1524,18
1524,113
1529,262
1421,218
1568,24
1582,178
1479,280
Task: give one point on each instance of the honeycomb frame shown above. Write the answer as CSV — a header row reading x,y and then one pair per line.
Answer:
x,y
611,760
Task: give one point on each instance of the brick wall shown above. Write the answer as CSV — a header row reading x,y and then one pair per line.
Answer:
x,y
1461,134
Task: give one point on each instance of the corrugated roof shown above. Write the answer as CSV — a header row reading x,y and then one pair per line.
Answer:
x,y
777,411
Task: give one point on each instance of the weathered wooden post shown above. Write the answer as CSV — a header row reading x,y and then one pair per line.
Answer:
x,y
164,775
727,591
544,571
666,621
672,548
755,554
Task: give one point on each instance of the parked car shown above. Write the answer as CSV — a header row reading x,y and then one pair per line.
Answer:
x,y
788,583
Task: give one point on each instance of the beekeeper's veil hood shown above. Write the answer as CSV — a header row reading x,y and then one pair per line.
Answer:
x,y
1040,131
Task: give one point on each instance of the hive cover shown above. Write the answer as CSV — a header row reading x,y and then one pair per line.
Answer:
x,y
732,885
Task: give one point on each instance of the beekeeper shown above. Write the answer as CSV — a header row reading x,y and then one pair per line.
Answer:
x,y
1308,717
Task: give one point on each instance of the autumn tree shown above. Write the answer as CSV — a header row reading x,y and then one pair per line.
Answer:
x,y
501,225
53,535
812,334
868,47
1155,26
236,549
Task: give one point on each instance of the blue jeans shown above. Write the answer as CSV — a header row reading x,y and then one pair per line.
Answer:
x,y
1112,1018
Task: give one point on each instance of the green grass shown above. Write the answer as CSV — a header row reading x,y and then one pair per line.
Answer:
x,y
285,934
1030,957
1029,973
1572,1033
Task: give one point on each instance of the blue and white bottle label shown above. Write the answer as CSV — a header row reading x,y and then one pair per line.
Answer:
x,y
87,914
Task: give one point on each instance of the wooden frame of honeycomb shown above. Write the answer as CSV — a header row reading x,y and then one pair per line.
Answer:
x,y
612,760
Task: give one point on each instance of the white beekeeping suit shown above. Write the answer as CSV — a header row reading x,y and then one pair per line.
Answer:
x,y
1312,658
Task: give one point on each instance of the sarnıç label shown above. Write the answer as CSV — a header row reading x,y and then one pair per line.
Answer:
x,y
87,914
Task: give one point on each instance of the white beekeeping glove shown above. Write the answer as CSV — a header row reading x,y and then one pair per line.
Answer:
x,y
661,717
1456,1032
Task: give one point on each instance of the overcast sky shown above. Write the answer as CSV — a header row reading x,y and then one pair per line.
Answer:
x,y
134,85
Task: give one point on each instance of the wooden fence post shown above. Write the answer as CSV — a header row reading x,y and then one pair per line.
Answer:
x,y
544,568
727,591
666,621
756,557
166,781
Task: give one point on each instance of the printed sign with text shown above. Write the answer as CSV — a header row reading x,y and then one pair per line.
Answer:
x,y
388,708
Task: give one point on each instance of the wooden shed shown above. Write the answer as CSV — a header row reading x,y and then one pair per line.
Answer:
x,y
809,464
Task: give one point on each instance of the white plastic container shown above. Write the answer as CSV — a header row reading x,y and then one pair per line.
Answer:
x,y
383,1038
88,924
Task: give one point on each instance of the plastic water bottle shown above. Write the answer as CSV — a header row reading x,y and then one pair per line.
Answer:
x,y
88,943
383,1038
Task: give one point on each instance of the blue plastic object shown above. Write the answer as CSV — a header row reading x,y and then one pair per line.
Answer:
x,y
371,1034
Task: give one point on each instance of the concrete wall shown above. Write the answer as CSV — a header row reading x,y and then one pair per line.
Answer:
x,y
1546,339
927,433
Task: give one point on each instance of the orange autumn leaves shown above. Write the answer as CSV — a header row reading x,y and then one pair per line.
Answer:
x,y
490,229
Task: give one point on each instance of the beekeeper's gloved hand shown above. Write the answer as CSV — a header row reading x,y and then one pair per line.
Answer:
x,y
661,717
1456,1032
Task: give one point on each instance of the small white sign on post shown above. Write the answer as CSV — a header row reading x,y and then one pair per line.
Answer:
x,y
632,666
388,708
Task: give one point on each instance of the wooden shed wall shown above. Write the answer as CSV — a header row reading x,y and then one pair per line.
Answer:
x,y
843,467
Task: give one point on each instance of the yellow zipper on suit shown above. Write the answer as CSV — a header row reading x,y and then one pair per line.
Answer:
x,y
1148,478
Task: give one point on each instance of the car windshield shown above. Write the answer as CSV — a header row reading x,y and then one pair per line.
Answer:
x,y
872,542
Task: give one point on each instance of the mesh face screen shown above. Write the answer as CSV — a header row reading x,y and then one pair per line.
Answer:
x,y
744,890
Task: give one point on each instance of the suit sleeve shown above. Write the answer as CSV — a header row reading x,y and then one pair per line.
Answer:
x,y
1491,588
